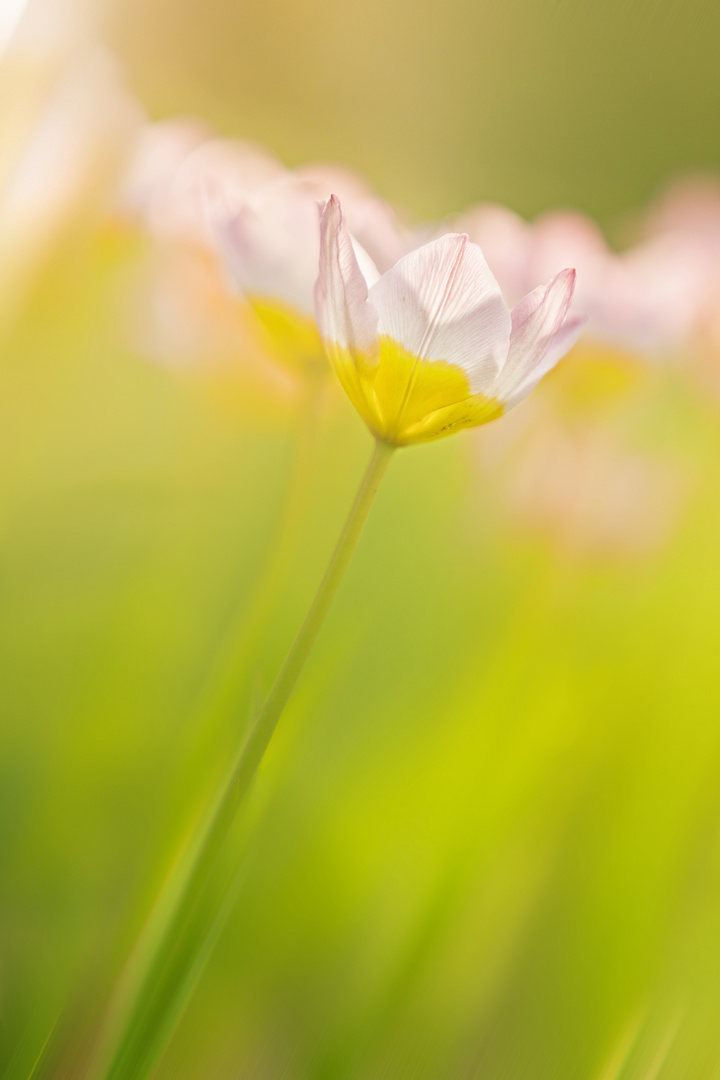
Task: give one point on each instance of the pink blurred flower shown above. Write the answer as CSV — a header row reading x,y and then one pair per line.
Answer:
x,y
687,215
642,300
582,488
271,248
181,308
69,132
252,228
595,497
371,220
272,242
690,206
184,179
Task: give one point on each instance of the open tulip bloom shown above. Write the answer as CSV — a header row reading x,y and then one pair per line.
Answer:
x,y
426,349
430,346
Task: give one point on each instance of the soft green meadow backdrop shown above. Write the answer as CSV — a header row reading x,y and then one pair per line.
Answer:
x,y
486,841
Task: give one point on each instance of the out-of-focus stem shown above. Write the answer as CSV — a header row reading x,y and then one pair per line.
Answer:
x,y
229,676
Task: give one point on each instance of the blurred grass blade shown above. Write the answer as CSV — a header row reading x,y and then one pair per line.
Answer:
x,y
224,684
168,958
145,991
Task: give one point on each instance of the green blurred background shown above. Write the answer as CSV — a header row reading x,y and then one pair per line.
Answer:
x,y
486,839
557,102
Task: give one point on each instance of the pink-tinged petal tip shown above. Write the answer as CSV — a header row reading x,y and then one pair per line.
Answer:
x,y
344,316
540,336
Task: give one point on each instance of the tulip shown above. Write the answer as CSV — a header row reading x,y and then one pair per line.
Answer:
x,y
270,249
641,301
687,217
584,489
182,311
183,177
430,347
69,128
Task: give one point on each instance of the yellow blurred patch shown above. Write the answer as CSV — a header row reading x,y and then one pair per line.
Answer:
x,y
292,336
594,376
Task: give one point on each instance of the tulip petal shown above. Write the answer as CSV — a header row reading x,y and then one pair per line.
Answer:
x,y
441,303
370,220
346,318
540,337
271,247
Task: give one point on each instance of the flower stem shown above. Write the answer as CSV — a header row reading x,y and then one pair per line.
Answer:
x,y
279,695
140,1027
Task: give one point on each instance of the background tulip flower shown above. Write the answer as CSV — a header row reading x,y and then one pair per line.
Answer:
x,y
687,217
580,485
271,247
74,122
179,308
372,221
184,178
229,222
431,347
642,300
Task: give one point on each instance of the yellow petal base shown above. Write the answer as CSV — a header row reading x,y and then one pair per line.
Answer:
x,y
406,400
292,336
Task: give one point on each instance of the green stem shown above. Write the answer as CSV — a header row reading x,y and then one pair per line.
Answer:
x,y
278,697
144,1024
